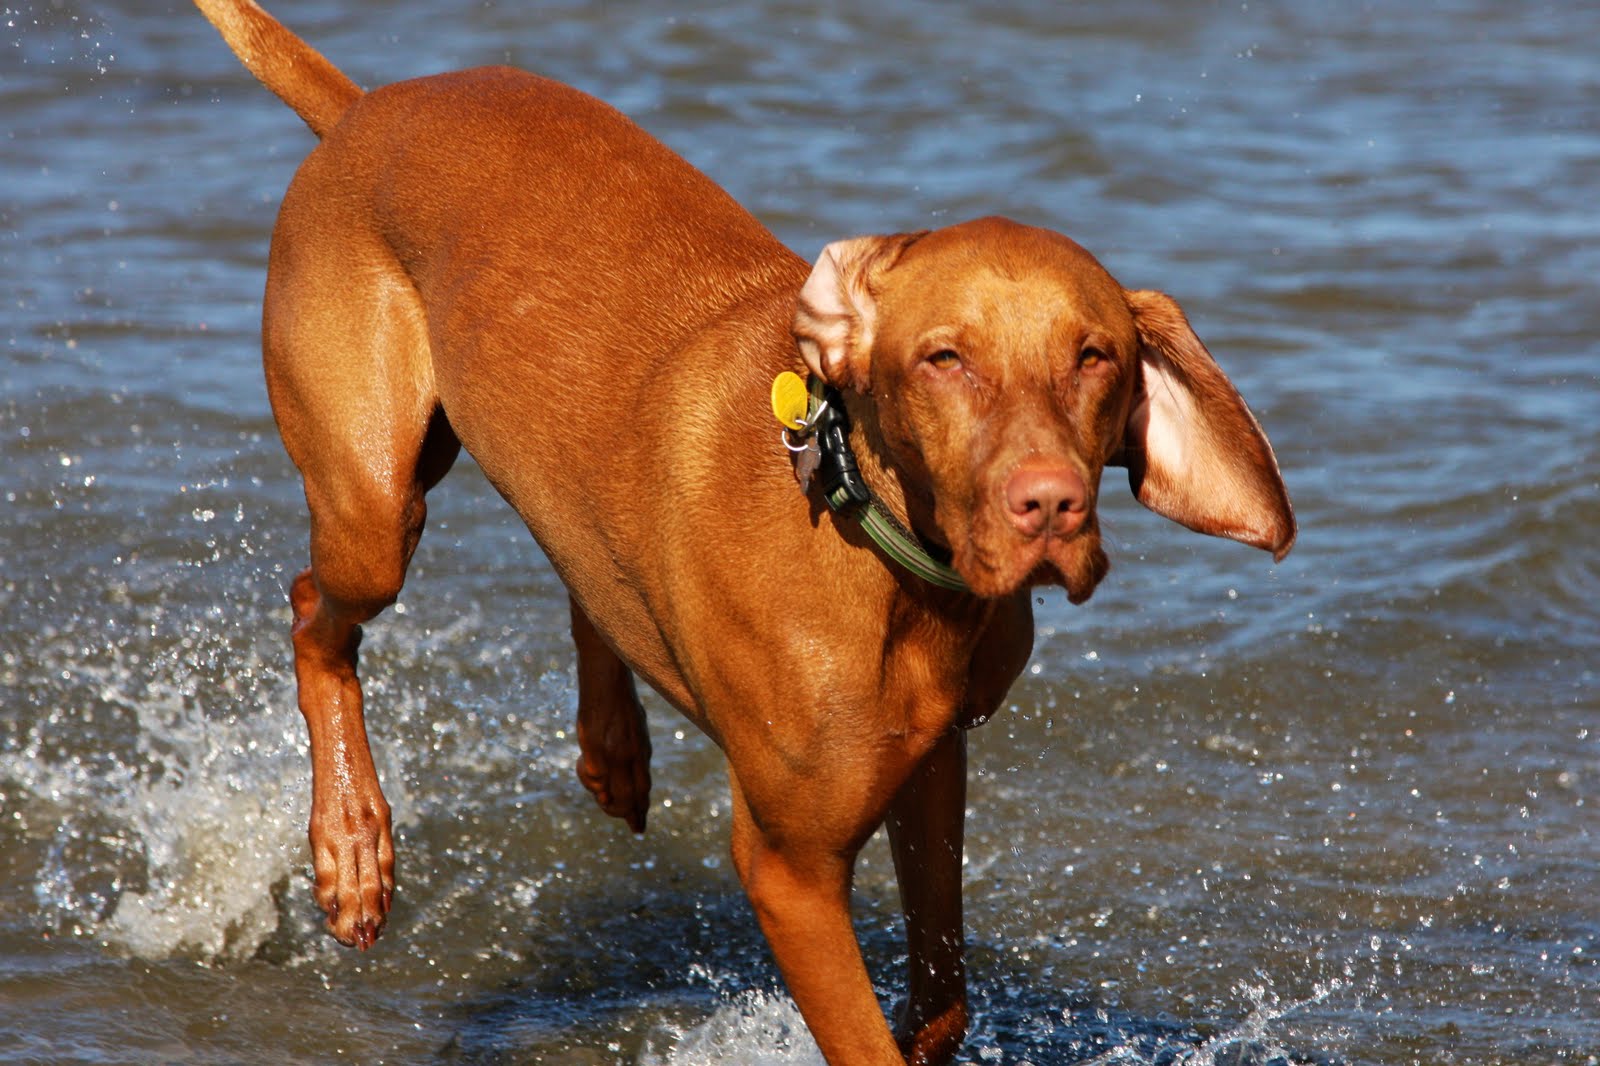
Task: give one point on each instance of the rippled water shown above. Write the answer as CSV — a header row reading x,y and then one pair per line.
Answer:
x,y
1339,810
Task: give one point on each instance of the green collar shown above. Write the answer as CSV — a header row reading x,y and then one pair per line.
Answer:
x,y
905,549
848,495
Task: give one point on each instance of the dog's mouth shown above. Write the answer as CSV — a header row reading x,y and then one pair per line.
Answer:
x,y
1076,565
1001,564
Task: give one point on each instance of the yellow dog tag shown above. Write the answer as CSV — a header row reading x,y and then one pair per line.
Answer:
x,y
789,399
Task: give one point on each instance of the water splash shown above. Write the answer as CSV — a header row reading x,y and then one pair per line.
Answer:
x,y
162,785
174,847
1249,1042
221,828
755,1029
49,36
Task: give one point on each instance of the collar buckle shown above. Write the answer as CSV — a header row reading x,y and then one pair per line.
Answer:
x,y
842,484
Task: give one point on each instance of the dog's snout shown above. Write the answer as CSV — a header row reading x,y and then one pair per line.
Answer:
x,y
1046,500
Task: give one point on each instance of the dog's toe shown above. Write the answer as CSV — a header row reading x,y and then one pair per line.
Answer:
x,y
619,784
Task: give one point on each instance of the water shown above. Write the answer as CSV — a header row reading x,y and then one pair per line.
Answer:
x,y
1338,810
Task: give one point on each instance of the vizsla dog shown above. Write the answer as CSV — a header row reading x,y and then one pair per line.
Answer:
x,y
492,260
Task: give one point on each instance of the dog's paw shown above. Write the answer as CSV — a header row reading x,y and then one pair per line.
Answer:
x,y
935,1040
352,854
619,780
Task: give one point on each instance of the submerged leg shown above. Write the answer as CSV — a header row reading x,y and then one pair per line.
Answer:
x,y
925,836
799,885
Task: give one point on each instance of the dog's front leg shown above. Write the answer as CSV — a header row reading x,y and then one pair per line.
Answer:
x,y
925,834
799,885
613,740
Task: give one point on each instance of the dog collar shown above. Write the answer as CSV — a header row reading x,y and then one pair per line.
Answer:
x,y
825,426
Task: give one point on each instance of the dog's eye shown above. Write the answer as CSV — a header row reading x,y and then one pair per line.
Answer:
x,y
945,359
1090,357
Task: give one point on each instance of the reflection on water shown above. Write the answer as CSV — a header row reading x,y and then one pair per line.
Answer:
x,y
1337,810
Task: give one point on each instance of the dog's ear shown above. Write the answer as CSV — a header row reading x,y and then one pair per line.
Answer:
x,y
1193,450
834,319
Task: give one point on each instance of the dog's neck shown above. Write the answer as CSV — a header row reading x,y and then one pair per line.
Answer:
x,y
901,492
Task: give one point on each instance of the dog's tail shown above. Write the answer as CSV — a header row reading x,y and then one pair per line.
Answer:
x,y
316,89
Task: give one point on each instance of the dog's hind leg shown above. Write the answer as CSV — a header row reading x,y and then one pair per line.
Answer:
x,y
614,742
350,381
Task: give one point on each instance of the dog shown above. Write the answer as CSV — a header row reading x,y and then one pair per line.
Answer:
x,y
804,502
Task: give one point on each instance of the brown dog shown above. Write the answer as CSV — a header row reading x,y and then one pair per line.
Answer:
x,y
492,259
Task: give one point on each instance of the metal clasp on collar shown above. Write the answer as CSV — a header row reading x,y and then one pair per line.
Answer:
x,y
808,425
842,484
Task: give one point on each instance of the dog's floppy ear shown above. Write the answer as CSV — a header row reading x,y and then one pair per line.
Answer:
x,y
1193,450
834,320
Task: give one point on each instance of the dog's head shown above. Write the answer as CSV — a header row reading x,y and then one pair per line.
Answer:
x,y
1007,369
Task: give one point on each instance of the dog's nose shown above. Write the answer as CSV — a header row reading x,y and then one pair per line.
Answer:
x,y
1046,500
